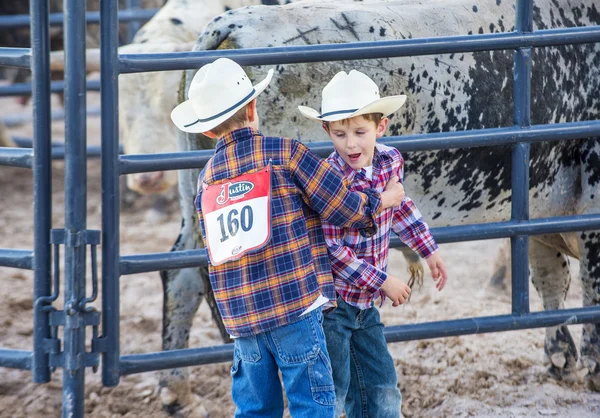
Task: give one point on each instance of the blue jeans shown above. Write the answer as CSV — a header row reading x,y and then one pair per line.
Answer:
x,y
299,351
366,384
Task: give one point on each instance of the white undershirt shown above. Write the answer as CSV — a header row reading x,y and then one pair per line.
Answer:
x,y
320,301
369,172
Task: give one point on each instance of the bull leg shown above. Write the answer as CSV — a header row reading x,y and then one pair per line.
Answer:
x,y
590,280
501,277
589,250
183,291
551,278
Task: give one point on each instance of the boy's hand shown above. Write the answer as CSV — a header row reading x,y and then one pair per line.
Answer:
x,y
393,194
438,269
396,290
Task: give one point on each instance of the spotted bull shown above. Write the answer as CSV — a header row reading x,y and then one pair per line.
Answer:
x,y
445,93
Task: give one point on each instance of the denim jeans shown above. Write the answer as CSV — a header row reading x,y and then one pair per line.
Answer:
x,y
366,384
299,351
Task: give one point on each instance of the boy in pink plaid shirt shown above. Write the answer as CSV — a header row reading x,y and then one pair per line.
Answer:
x,y
354,116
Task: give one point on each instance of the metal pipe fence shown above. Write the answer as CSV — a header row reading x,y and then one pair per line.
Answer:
x,y
72,357
518,228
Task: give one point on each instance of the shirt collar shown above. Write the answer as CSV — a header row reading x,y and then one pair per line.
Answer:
x,y
378,161
236,136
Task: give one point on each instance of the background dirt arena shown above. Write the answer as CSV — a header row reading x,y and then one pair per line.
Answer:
x,y
490,375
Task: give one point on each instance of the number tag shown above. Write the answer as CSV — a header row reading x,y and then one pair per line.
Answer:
x,y
237,216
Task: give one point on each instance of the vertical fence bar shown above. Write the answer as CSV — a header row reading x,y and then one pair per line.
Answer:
x,y
520,162
75,207
42,182
109,73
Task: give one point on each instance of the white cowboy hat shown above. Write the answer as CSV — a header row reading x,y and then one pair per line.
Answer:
x,y
216,92
349,95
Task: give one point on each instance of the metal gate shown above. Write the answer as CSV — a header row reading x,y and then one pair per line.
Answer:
x,y
75,238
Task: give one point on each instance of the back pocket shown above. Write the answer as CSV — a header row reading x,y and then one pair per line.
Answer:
x,y
297,342
246,348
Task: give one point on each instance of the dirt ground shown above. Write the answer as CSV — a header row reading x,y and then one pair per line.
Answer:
x,y
489,375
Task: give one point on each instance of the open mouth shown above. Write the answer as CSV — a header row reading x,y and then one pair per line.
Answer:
x,y
354,157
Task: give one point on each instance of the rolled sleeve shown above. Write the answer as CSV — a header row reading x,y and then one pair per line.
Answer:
x,y
412,230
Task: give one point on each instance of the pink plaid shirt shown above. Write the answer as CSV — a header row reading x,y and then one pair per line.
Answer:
x,y
359,264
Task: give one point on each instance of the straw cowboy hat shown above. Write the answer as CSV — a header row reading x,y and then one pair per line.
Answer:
x,y
349,95
217,91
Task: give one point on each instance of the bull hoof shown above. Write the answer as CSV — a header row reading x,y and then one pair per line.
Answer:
x,y
593,381
564,375
195,410
171,402
592,378
167,396
562,367
569,374
187,407
560,354
173,409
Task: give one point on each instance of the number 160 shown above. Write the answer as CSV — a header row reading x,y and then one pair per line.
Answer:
x,y
233,225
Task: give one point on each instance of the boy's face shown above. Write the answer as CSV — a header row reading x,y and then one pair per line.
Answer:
x,y
355,139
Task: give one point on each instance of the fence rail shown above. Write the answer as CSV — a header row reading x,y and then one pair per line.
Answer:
x,y
56,19
15,57
140,363
132,63
24,89
139,163
142,263
21,259
16,359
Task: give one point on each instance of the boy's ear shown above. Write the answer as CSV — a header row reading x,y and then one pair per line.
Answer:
x,y
251,111
325,126
382,127
210,134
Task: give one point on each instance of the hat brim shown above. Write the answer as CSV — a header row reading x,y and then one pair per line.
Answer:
x,y
185,118
385,106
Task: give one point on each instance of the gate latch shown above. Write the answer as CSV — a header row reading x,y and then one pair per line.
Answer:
x,y
79,313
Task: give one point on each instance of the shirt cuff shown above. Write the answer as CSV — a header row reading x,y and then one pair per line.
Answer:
x,y
375,280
